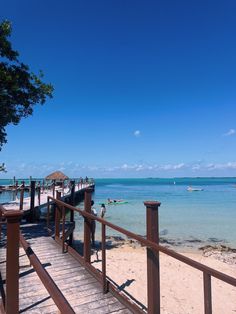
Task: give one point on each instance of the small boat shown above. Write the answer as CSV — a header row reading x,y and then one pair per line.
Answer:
x,y
114,202
117,203
191,189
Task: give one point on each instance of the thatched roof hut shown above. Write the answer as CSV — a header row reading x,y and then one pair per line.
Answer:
x,y
57,176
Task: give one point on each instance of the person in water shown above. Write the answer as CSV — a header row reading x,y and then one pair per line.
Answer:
x,y
103,210
93,223
109,201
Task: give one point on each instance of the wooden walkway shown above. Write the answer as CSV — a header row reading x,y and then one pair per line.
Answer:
x,y
79,287
15,205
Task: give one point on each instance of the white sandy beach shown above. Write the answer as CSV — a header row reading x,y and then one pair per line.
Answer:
x,y
181,285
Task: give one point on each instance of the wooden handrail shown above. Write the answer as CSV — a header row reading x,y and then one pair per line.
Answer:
x,y
153,249
205,269
53,290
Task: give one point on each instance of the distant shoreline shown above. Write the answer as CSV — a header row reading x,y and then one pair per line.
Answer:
x,y
131,178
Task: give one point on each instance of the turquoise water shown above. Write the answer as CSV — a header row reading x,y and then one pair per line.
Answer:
x,y
184,217
207,216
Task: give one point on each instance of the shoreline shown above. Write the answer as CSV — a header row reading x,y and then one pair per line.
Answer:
x,y
181,285
219,252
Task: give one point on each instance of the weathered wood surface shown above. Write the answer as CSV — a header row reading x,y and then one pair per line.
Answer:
x,y
79,287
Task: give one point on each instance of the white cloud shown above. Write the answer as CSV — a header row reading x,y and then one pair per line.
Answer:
x,y
124,166
196,167
173,167
225,166
140,169
137,133
92,168
230,132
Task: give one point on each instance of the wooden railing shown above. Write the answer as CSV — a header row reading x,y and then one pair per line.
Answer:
x,y
153,249
10,299
12,219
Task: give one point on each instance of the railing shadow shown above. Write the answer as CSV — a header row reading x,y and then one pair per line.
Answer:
x,y
33,305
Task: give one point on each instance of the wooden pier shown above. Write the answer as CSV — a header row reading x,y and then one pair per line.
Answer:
x,y
38,198
82,291
45,274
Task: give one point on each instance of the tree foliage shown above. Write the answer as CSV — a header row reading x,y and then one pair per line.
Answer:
x,y
20,89
3,168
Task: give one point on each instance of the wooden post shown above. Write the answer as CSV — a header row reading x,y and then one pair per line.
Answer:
x,y
16,188
63,228
48,214
104,277
57,217
32,200
53,188
22,190
207,293
87,226
63,188
39,194
12,265
153,268
72,195
72,202
1,220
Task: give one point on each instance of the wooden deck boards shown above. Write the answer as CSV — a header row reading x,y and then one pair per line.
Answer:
x,y
79,287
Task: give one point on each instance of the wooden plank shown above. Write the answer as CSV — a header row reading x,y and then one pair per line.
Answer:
x,y
79,287
50,309
34,301
32,290
116,307
123,311
68,276
110,303
81,279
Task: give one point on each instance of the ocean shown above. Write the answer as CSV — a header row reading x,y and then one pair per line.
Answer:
x,y
186,219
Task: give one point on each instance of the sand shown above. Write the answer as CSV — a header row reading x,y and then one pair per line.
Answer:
x,y
181,285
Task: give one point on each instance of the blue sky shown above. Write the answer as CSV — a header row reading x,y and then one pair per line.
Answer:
x,y
142,88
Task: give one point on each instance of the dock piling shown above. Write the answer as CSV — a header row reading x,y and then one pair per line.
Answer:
x,y
57,217
32,199
72,202
87,226
22,190
39,194
53,188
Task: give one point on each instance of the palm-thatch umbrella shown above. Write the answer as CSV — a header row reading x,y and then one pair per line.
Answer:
x,y
57,176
